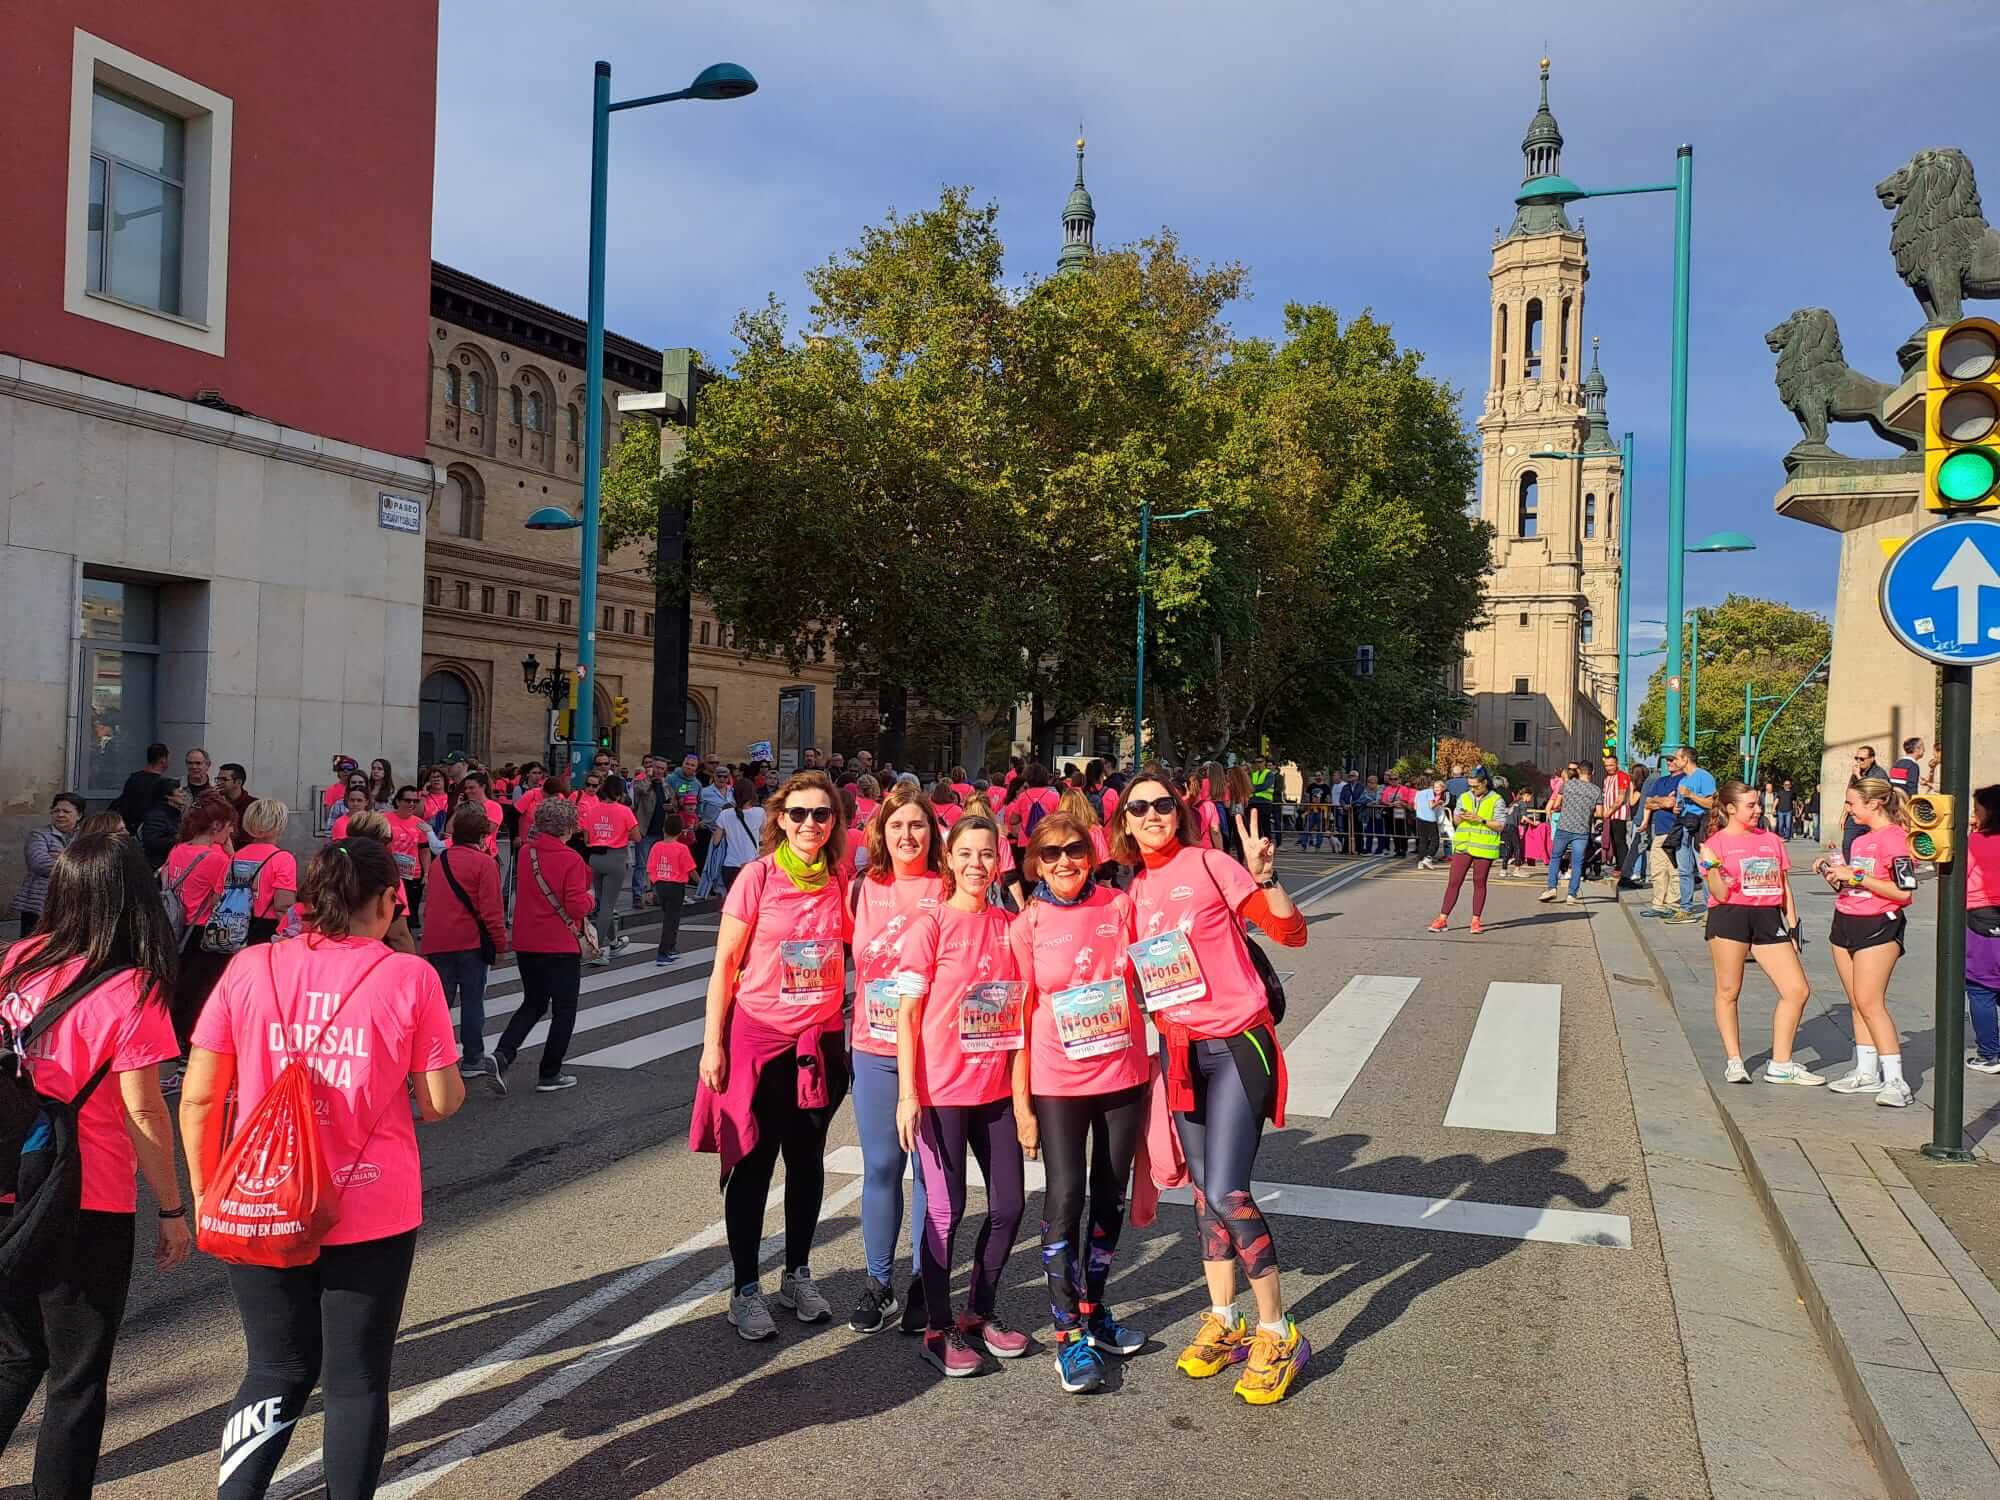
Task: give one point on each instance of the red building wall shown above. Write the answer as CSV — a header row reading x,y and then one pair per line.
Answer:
x,y
330,205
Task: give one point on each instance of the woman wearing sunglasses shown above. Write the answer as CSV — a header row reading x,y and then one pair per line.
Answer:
x,y
1225,1075
1082,1091
895,899
773,1067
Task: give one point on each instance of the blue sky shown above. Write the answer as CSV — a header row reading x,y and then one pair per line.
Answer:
x,y
1356,155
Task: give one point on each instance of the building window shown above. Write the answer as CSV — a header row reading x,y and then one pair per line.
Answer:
x,y
1586,627
1610,510
120,680
462,595
433,590
1520,732
1527,516
646,625
1562,353
461,507
541,606
1524,620
609,619
691,729
704,632
1589,516
1500,344
570,419
451,385
628,622
475,392
1531,341
147,224
563,615
513,604
486,599
532,411
514,404
1520,687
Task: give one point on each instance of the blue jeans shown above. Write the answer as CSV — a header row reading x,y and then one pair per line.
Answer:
x,y
1784,825
1372,841
1984,1004
1578,845
882,1163
463,975
1684,861
1314,836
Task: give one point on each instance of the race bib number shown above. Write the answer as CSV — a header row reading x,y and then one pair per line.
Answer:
x,y
1169,973
989,1016
1092,1020
1760,876
881,999
407,863
810,971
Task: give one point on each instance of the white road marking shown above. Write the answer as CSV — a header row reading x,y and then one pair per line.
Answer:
x,y
651,1047
1326,885
601,979
613,1012
1326,1057
506,972
594,1359
1508,1079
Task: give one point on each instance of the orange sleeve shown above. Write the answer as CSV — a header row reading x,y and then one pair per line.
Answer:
x,y
1288,932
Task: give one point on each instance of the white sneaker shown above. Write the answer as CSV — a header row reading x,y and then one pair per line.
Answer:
x,y
1733,1071
1857,1083
1549,895
796,1291
1572,901
1979,1064
1425,864
1895,1094
751,1317
1791,1072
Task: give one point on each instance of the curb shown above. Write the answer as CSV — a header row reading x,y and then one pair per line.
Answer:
x,y
1924,1445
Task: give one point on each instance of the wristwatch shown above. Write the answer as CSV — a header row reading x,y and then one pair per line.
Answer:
x,y
1267,885
172,1213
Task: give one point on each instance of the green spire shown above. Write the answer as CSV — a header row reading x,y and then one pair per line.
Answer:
x,y
1079,220
1541,156
1598,434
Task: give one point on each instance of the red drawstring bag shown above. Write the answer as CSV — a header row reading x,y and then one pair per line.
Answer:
x,y
271,1199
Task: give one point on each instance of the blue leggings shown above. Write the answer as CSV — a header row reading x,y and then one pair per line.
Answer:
x,y
882,1163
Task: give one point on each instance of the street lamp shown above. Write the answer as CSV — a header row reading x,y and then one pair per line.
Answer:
x,y
1146,519
717,81
1624,580
552,685
1756,746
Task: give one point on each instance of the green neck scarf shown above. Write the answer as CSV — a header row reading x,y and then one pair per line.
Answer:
x,y
807,877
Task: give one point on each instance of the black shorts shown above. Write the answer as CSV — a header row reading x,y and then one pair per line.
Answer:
x,y
1854,932
1748,924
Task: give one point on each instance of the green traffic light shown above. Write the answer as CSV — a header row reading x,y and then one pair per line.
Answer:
x,y
1969,475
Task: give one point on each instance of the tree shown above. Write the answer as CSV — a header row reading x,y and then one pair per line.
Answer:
x,y
1770,646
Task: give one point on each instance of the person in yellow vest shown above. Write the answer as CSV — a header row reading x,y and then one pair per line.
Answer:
x,y
1477,819
1264,800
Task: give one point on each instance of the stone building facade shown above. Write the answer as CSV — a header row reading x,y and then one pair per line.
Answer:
x,y
1542,673
506,436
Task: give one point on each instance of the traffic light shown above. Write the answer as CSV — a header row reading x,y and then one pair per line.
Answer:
x,y
621,711
1930,827
1962,417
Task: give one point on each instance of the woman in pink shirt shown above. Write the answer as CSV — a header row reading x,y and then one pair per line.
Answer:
x,y
409,843
1084,1087
900,892
104,954
1751,913
193,875
358,802
436,798
371,1028
959,1034
276,870
465,930
1875,883
773,1064
608,825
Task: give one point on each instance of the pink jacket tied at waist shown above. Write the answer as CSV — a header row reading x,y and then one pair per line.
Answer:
x,y
725,1123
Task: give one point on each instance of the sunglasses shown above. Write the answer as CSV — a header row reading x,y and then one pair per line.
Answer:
x,y
1164,806
1078,849
406,799
798,815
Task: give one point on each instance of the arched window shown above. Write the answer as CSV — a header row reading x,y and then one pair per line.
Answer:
x,y
1528,517
533,411
514,404
1611,514
475,391
451,385
461,506
1589,516
1531,341
692,740
444,717
1562,353
1500,347
570,418
1586,627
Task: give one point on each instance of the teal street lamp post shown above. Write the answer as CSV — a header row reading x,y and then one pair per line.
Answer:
x,y
1721,541
1146,519
1757,744
718,81
1624,709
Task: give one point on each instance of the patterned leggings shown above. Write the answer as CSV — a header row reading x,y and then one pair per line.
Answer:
x,y
1234,1084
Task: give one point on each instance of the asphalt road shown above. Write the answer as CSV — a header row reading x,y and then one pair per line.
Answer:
x,y
564,1334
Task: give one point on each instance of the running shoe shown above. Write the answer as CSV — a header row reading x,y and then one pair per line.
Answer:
x,y
1103,1331
1216,1345
948,1351
1079,1367
1980,1064
992,1335
1857,1082
1549,895
798,1292
1733,1071
171,1084
474,1068
1687,914
620,943
877,1306
1895,1094
602,961
1791,1072
496,1077
916,1307
1657,911
1477,927
752,1318
1439,925
556,1084
663,960
1572,900
1274,1364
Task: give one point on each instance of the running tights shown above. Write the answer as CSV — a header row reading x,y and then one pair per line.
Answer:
x,y
1480,868
1233,1089
337,1315
944,1133
800,1134
882,1161
1106,1127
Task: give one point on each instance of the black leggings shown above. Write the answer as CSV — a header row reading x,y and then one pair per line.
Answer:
x,y
338,1314
1234,1085
1108,1125
801,1135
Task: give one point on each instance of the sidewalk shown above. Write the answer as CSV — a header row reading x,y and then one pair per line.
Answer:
x,y
1909,1316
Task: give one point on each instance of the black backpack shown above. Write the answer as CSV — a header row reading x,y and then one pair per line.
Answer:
x,y
41,1162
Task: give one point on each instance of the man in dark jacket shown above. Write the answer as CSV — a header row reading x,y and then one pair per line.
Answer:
x,y
160,829
137,797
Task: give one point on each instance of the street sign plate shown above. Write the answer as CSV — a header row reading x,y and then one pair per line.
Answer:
x,y
1941,593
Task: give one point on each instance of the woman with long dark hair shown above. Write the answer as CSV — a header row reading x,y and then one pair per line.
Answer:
x,y
381,785
102,926
193,876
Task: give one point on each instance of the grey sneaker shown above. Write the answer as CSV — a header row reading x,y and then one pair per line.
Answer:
x,y
1895,1094
474,1069
1857,1082
750,1316
556,1084
1791,1072
496,1075
798,1292
1733,1071
1549,895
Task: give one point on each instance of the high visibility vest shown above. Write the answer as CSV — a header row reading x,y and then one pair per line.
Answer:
x,y
1478,839
1263,786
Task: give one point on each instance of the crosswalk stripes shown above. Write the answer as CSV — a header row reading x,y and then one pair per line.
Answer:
x,y
1324,1059
1508,1079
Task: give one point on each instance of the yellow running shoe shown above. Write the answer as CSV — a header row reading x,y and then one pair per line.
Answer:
x,y
1216,1344
1274,1364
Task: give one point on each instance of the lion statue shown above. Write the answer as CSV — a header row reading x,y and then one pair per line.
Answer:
x,y
1945,250
1817,387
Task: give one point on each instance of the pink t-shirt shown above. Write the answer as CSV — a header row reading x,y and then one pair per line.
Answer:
x,y
407,843
887,915
864,809
948,813
671,861
608,825
437,802
1874,854
964,790
1086,1027
793,966
1754,865
338,831
973,1018
1198,893
107,1023
1982,871
280,873
334,795
1111,800
1210,819
384,1028
204,881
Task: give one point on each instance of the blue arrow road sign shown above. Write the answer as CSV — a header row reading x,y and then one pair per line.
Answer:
x,y
1941,593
